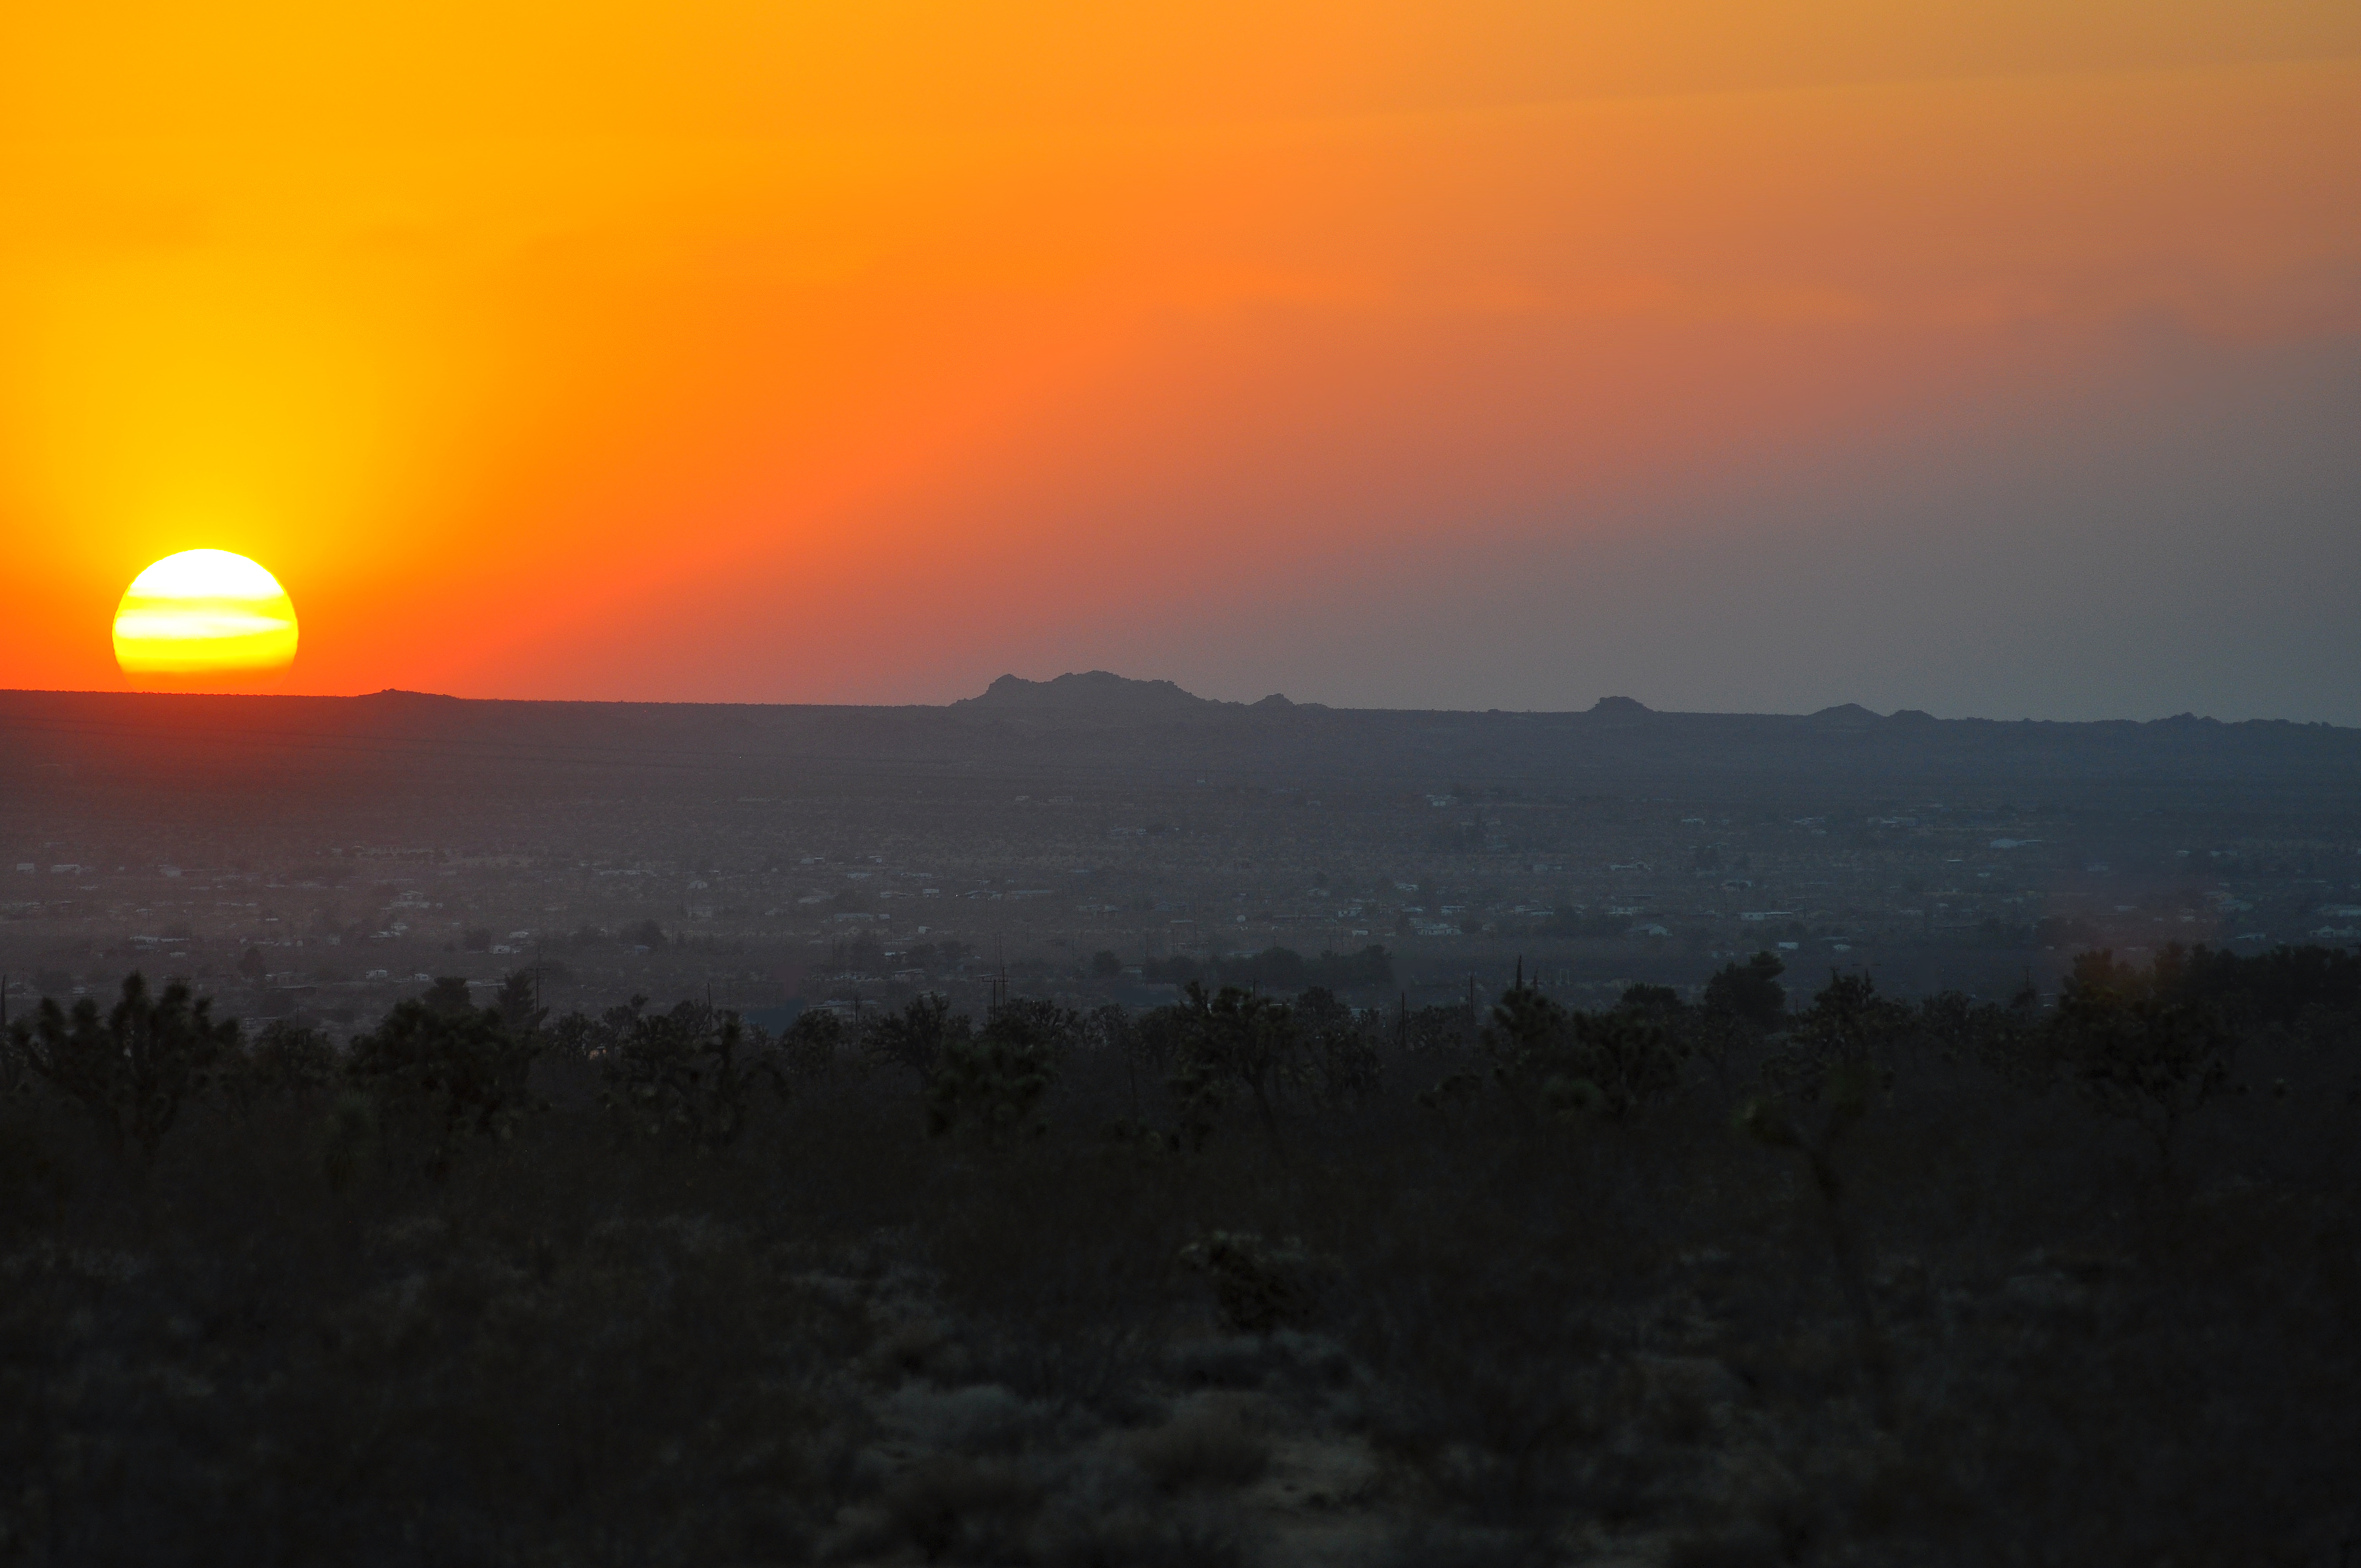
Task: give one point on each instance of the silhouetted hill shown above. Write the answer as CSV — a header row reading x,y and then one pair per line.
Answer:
x,y
1094,690
1099,725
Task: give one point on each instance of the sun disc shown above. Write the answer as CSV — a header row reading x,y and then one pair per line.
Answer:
x,y
204,614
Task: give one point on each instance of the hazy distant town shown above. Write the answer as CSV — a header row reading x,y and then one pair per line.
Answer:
x,y
771,889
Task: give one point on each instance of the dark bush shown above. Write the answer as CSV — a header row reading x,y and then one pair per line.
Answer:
x,y
1750,992
131,1072
1555,1064
989,1082
2143,1045
1920,1310
690,1074
439,1069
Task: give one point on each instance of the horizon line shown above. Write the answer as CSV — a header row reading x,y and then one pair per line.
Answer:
x,y
1609,707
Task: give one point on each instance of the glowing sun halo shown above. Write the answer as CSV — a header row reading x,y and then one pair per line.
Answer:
x,y
203,614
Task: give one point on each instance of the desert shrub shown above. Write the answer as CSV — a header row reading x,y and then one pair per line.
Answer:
x,y
284,1062
949,1509
866,1345
808,1050
1108,1028
34,1182
1285,1359
1227,1042
578,1038
1454,1091
2137,1046
16,1076
1338,1062
439,1072
2283,987
1260,1286
1435,1029
690,1074
1054,1027
1848,1035
1717,1038
2006,1039
1476,1320
1197,1090
1555,1064
1835,1101
1210,1446
131,1072
1159,1036
1749,994
1622,1061
519,1004
916,1037
1076,1320
1660,1003
990,1082
347,1139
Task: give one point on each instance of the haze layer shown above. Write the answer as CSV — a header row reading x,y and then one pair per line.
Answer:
x,y
1995,359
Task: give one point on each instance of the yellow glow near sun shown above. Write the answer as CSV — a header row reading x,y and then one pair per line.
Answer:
x,y
204,613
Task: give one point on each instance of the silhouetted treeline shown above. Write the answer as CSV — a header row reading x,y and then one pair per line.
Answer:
x,y
2150,1041
1761,1277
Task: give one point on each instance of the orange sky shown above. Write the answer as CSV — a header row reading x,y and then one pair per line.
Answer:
x,y
1487,353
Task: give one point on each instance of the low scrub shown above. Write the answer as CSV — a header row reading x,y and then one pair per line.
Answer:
x,y
1858,1279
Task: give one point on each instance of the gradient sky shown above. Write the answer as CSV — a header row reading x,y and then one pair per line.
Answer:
x,y
1996,358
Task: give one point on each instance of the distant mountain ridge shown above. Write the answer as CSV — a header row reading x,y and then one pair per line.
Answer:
x,y
1095,724
1102,694
1103,691
1089,689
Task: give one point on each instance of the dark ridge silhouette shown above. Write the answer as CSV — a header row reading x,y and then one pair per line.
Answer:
x,y
1099,725
1091,689
1845,716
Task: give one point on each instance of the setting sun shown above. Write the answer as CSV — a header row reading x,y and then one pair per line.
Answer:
x,y
203,615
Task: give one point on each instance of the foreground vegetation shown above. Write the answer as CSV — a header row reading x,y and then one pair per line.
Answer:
x,y
2060,1280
